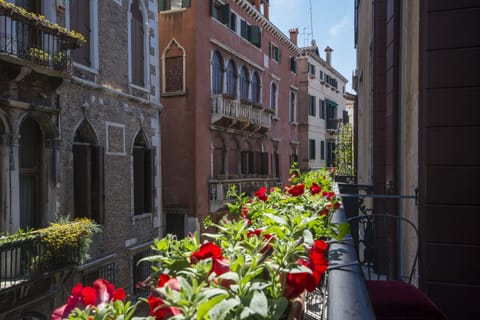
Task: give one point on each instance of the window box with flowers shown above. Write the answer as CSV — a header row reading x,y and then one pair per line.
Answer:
x,y
264,255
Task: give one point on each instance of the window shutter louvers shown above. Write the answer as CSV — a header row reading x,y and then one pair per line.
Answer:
x,y
186,3
225,14
149,160
139,181
244,29
255,36
98,184
82,181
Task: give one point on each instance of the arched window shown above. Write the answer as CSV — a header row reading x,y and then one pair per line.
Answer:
x,y
217,74
255,88
244,83
137,51
231,78
173,68
218,157
30,153
273,97
88,183
292,107
142,176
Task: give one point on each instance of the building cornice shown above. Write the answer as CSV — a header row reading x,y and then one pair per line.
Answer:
x,y
267,25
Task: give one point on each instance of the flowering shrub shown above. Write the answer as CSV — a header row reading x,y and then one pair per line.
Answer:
x,y
268,250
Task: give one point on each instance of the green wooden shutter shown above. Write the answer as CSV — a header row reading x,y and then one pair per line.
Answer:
x,y
162,5
225,14
244,29
186,3
255,36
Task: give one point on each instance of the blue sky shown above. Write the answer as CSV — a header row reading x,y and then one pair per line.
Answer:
x,y
332,22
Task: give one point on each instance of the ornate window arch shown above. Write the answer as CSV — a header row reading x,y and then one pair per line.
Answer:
x,y
244,83
88,174
173,66
217,73
255,83
138,49
231,78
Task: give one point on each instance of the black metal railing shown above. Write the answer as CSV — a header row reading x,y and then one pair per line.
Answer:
x,y
332,124
34,42
27,259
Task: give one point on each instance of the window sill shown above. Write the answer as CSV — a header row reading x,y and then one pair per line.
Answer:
x,y
275,118
173,94
173,11
140,217
294,123
142,89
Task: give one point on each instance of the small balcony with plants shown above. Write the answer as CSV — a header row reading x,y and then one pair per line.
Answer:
x,y
29,255
29,39
230,112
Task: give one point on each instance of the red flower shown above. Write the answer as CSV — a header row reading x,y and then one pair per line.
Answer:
x,y
207,250
159,310
319,263
297,282
221,265
296,190
324,212
315,188
262,194
119,294
329,195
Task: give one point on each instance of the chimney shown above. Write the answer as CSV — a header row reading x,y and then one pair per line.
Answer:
x,y
293,35
328,53
257,4
265,9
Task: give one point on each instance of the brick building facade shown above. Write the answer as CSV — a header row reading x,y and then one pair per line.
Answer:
x,y
228,117
82,138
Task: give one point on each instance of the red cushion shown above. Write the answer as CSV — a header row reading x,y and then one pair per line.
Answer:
x,y
400,300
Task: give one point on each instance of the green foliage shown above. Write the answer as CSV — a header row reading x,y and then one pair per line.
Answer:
x,y
254,285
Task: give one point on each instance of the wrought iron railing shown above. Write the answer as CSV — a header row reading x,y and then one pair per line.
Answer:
x,y
219,188
238,110
32,41
27,259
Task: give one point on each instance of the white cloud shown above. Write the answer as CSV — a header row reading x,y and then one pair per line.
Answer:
x,y
339,27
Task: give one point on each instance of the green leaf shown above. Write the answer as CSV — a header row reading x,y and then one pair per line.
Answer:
x,y
221,310
205,307
277,219
278,308
259,303
308,237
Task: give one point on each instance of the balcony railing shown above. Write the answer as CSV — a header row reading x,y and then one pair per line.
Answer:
x,y
332,124
27,259
248,117
36,41
218,188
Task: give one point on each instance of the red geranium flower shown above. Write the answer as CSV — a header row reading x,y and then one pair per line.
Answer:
x,y
329,195
296,190
315,188
262,194
159,311
296,283
207,250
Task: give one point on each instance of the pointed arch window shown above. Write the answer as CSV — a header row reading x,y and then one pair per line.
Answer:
x,y
30,153
231,79
174,68
88,174
217,74
255,88
137,45
142,176
244,83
